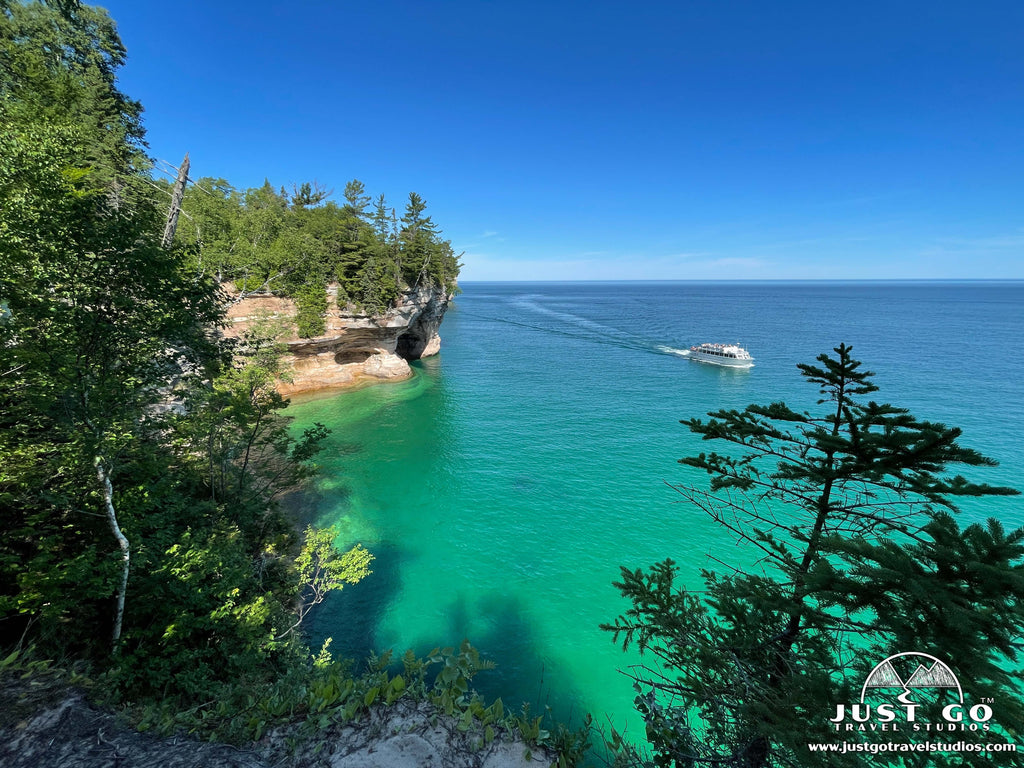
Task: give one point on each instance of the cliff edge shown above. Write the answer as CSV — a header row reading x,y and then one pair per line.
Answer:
x,y
356,347
59,728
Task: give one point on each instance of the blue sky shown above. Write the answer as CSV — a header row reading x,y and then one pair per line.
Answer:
x,y
613,140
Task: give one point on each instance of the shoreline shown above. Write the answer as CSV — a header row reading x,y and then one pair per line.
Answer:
x,y
327,393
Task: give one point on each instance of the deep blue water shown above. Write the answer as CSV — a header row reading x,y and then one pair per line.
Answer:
x,y
502,488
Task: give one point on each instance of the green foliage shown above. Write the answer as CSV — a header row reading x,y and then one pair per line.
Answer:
x,y
324,691
122,409
848,513
322,569
121,406
261,242
311,300
308,195
233,434
99,317
59,67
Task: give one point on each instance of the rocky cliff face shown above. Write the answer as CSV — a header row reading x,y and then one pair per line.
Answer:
x,y
355,347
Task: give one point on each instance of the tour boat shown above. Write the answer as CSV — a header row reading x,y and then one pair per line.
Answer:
x,y
732,355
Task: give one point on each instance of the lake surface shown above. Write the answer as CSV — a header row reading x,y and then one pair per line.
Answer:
x,y
502,488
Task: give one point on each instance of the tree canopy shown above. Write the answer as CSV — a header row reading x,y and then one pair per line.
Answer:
x,y
58,66
142,455
854,555
263,240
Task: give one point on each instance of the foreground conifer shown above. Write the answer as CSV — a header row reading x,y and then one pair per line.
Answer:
x,y
852,555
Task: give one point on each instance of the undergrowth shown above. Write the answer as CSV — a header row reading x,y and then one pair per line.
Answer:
x,y
307,700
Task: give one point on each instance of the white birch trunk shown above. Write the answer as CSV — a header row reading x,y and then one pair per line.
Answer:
x,y
122,541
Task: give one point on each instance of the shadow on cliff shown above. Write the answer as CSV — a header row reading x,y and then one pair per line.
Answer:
x,y
351,617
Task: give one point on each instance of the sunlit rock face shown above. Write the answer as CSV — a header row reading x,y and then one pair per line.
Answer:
x,y
355,348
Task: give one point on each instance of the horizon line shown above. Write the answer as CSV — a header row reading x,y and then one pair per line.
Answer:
x,y
768,280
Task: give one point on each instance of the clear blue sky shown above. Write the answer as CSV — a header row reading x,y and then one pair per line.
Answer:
x,y
615,140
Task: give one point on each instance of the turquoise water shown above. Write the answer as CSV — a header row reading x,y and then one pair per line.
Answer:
x,y
503,486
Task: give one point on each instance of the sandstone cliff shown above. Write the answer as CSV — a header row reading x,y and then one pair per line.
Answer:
x,y
355,347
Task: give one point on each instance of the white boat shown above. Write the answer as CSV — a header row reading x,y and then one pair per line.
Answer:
x,y
732,355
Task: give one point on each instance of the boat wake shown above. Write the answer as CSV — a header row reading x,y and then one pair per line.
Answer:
x,y
673,351
576,321
581,329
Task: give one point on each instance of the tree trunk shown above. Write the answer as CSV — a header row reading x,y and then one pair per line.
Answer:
x,y
177,194
122,541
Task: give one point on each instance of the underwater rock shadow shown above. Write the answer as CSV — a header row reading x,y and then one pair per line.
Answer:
x,y
522,675
300,504
352,616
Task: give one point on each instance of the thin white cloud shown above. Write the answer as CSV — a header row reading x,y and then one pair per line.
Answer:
x,y
684,266
736,261
857,257
691,256
949,246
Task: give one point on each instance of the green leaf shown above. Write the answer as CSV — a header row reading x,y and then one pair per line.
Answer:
x,y
371,696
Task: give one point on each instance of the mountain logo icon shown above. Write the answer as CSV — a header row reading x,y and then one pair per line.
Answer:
x,y
910,670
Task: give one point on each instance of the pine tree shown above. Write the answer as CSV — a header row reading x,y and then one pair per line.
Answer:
x,y
356,198
307,195
849,515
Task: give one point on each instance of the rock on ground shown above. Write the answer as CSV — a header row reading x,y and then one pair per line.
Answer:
x,y
74,734
410,735
66,731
